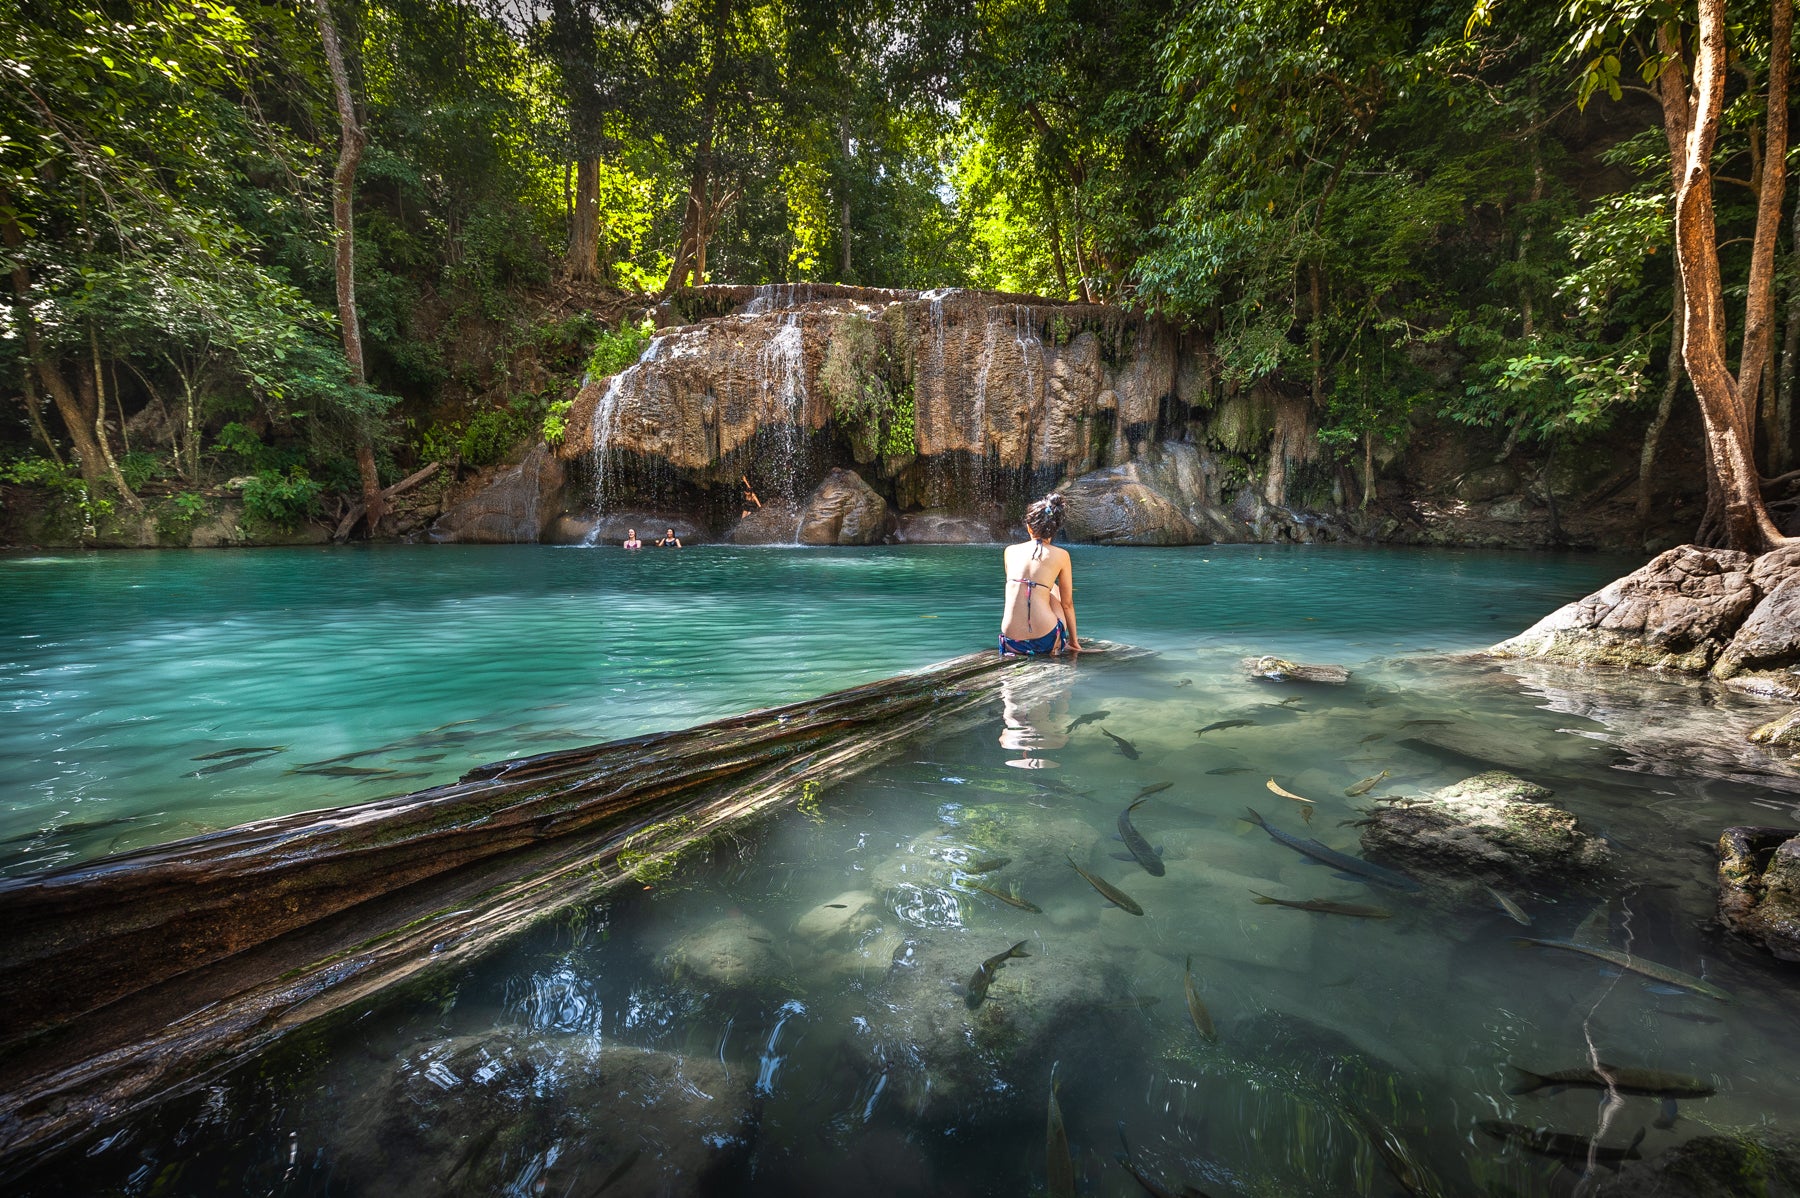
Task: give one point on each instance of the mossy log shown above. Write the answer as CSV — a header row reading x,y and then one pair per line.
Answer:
x,y
134,977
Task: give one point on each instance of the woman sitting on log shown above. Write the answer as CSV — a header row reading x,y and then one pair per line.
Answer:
x,y
1039,585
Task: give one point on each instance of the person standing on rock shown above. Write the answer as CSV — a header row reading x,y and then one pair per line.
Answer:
x,y
1039,616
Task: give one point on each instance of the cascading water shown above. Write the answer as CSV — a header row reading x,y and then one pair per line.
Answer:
x,y
985,482
606,421
1031,347
783,367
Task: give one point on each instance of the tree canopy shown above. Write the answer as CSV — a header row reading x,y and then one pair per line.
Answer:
x,y
1462,208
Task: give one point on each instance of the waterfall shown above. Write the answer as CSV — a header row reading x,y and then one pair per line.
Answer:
x,y
1025,336
783,368
984,476
606,419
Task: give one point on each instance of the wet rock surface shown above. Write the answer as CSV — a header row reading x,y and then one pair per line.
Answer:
x,y
845,510
1710,1166
1783,732
733,953
1489,829
512,1112
940,527
770,524
519,504
1759,887
1690,611
1280,669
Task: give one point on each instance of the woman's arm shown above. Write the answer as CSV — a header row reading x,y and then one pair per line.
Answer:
x,y
1065,589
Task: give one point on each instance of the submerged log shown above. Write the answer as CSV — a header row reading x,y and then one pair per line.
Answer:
x,y
135,977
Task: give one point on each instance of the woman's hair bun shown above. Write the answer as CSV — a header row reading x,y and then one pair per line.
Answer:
x,y
1054,501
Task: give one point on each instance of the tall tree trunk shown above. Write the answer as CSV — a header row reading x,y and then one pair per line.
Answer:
x,y
112,465
582,263
1727,405
1664,406
343,193
30,400
62,396
1056,254
1781,450
844,199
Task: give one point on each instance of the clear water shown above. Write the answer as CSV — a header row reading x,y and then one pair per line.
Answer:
x,y
785,1012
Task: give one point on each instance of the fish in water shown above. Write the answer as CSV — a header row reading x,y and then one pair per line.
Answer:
x,y
759,939
1230,769
1184,682
620,1169
1108,891
1149,1187
1290,701
1222,725
1326,907
1366,785
1092,717
1366,871
1649,969
345,771
1641,1083
224,753
1058,1164
1286,794
220,767
422,759
1397,1158
1562,1145
838,906
1196,1009
1134,840
1372,737
1427,723
1011,900
986,865
1152,789
1511,908
984,973
1125,746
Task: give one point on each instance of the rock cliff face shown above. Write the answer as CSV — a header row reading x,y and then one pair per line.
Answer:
x,y
956,408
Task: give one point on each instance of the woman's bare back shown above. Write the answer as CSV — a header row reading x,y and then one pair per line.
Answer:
x,y
1033,569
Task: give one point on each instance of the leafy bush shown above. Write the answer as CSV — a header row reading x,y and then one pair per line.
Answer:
x,y
139,468
490,436
178,515
616,350
41,472
240,443
555,424
280,500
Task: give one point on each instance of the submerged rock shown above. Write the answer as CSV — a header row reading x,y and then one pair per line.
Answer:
x,y
516,1113
734,953
845,510
1280,669
1710,1166
1485,830
1759,887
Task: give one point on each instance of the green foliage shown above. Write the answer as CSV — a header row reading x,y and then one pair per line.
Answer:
x,y
280,500
619,348
177,515
555,421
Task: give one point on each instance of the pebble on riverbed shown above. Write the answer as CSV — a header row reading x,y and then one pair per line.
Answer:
x,y
1492,829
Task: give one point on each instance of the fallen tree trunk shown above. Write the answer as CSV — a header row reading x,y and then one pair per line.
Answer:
x,y
137,977
406,484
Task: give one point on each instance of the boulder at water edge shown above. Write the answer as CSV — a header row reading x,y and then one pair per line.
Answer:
x,y
1759,887
496,1113
1710,1166
1782,732
1492,829
1690,611
845,510
770,524
935,526
517,505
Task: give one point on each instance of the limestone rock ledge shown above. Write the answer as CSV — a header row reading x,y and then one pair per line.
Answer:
x,y
1691,611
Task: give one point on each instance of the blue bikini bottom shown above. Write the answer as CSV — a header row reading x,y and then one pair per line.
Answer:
x,y
1050,642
